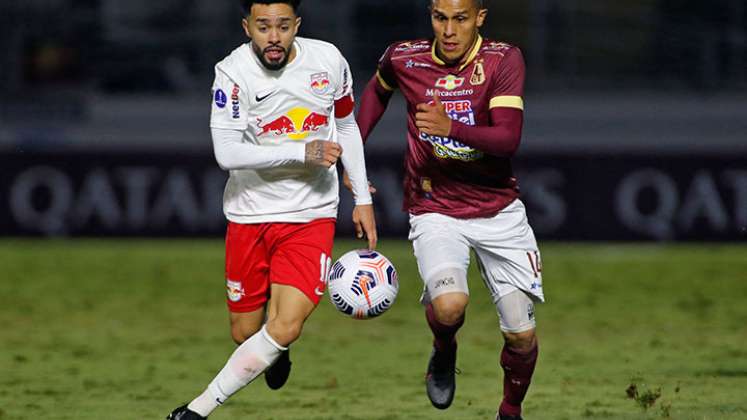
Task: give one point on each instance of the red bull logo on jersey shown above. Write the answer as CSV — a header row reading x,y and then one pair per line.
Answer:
x,y
234,290
449,82
320,83
297,124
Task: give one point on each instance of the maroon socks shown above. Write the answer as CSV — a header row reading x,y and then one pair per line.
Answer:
x,y
518,367
443,335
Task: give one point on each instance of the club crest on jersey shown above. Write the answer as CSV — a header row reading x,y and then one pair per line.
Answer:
x,y
320,83
234,290
478,74
449,82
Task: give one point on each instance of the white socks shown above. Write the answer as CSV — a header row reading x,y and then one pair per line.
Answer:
x,y
249,360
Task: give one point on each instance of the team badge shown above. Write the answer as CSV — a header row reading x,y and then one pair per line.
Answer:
x,y
235,290
320,83
478,74
426,185
449,82
220,98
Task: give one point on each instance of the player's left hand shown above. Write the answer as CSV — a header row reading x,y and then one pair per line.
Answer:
x,y
365,223
432,119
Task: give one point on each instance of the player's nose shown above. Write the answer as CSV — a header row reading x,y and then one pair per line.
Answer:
x,y
274,36
449,28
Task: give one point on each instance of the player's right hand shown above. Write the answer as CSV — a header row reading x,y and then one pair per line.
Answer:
x,y
364,221
349,185
322,153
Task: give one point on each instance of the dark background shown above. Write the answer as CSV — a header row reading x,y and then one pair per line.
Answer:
x,y
636,117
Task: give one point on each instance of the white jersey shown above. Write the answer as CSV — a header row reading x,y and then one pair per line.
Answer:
x,y
294,105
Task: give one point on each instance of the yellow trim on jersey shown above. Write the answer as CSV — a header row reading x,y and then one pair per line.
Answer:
x,y
507,102
383,82
471,56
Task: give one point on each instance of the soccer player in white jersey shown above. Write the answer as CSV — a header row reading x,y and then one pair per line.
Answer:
x,y
282,116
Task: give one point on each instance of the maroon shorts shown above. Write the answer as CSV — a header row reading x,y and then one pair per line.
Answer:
x,y
293,254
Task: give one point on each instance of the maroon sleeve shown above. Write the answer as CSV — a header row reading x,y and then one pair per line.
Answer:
x,y
501,138
374,101
385,70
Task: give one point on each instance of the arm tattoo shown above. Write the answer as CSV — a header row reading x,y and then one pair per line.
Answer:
x,y
315,153
319,152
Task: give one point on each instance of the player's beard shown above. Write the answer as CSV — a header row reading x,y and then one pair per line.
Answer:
x,y
269,65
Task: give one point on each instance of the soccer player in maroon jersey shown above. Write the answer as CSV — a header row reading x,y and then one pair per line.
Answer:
x,y
465,114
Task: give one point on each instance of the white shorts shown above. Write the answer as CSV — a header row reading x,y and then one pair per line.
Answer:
x,y
504,245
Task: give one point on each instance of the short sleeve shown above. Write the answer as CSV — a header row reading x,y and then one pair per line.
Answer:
x,y
385,71
508,82
345,86
230,103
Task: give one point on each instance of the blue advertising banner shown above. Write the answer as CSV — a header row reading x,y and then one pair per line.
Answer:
x,y
594,197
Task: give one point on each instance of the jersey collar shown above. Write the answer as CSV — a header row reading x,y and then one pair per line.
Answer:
x,y
471,56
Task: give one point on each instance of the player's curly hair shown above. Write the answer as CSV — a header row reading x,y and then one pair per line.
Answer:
x,y
246,5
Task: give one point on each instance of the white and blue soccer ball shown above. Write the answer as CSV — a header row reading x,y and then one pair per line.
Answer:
x,y
363,284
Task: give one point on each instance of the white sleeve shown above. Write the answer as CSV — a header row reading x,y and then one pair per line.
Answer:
x,y
349,137
230,103
232,153
345,80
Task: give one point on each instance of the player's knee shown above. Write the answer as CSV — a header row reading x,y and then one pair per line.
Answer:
x,y
449,309
241,331
284,332
520,341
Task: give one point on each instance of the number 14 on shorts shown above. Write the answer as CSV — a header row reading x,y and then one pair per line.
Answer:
x,y
535,262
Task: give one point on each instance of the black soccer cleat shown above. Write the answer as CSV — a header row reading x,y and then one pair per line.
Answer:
x,y
505,417
184,413
277,375
440,381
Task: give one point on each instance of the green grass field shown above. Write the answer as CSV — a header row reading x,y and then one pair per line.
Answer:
x,y
130,329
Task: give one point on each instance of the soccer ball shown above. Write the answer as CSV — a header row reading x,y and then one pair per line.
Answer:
x,y
363,284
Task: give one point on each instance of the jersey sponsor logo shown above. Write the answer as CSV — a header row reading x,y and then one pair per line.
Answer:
x,y
320,83
235,108
478,74
410,46
449,82
234,290
412,63
495,46
448,148
459,111
220,98
345,80
297,124
449,94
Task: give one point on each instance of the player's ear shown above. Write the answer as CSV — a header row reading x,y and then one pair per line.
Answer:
x,y
245,25
298,25
481,15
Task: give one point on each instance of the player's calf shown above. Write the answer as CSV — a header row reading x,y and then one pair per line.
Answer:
x,y
519,355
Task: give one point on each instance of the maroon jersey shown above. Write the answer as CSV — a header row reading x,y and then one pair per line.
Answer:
x,y
444,175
